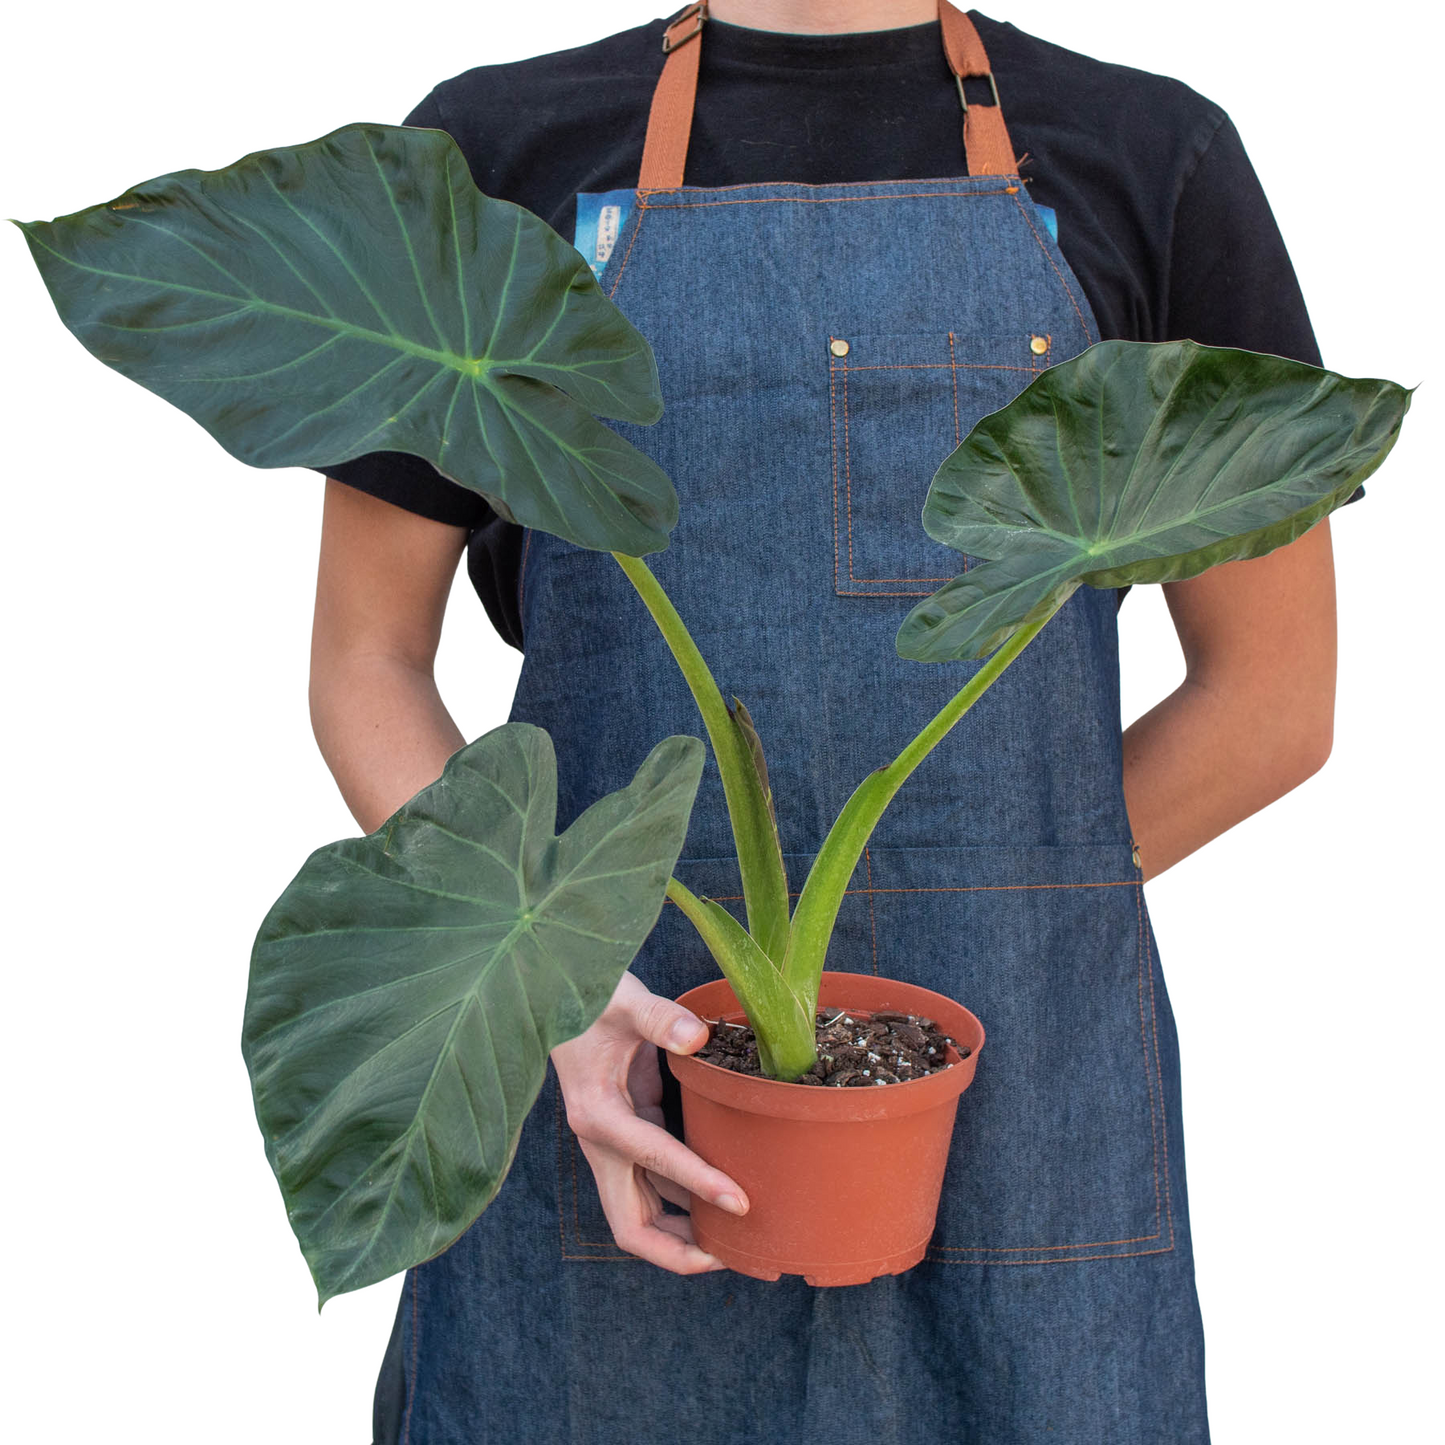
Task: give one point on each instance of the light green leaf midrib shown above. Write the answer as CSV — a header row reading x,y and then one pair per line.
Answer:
x,y
467,365
1105,547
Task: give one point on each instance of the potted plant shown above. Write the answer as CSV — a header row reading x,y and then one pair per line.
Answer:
x,y
309,304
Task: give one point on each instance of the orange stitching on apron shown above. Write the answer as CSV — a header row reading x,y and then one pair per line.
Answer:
x,y
1139,912
1153,1144
1029,1249
953,366
957,430
1163,1121
645,192
848,473
568,1142
1077,1259
977,888
940,366
833,427
641,217
842,592
561,1221
576,1218
600,1244
411,1384
647,205
1001,887
1163,1133
833,370
1068,291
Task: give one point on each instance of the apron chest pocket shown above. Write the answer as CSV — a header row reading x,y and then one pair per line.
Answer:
x,y
901,402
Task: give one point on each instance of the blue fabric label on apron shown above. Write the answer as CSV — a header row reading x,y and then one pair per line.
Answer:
x,y
600,219
1050,220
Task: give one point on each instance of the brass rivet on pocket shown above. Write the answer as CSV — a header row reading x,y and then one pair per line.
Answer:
x,y
1038,345
838,346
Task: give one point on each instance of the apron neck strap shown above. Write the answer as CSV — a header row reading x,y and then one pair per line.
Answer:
x,y
987,149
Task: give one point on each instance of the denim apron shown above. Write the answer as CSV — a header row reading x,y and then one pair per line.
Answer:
x,y
821,349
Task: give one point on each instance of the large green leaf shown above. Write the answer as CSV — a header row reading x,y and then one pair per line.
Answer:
x,y
1139,462
407,987
358,294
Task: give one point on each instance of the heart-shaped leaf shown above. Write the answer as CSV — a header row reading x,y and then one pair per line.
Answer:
x,y
357,294
1139,462
407,987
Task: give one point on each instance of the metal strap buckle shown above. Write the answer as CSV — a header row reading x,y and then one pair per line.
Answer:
x,y
992,85
697,13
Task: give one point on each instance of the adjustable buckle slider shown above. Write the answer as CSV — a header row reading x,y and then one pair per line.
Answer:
x,y
992,85
696,13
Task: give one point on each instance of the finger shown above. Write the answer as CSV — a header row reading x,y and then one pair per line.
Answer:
x,y
624,1133
673,1193
662,1246
669,1242
660,1020
644,1078
681,1225
638,1224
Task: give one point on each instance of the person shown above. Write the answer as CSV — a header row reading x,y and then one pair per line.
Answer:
x,y
838,278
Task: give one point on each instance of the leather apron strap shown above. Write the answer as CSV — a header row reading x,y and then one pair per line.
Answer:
x,y
985,137
987,149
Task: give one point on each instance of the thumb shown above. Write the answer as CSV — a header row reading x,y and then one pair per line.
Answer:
x,y
686,1034
669,1025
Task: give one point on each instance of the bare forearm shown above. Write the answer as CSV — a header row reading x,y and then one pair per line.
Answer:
x,y
1204,760
1255,714
384,731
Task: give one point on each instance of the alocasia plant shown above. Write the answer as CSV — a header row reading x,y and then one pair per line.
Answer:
x,y
357,294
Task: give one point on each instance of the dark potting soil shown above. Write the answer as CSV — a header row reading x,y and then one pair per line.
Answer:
x,y
855,1050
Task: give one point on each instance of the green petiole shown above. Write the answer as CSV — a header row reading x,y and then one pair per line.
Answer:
x,y
765,885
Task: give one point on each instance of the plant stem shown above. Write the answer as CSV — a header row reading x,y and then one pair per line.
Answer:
x,y
765,886
832,869
785,1030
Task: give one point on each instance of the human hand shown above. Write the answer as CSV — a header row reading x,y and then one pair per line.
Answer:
x,y
612,1087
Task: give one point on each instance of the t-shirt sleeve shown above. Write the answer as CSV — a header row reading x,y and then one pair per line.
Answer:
x,y
1231,281
399,477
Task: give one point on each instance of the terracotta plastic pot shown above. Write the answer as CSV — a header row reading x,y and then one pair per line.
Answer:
x,y
843,1184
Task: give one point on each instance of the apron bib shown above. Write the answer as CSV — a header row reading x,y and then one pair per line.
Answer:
x,y
821,349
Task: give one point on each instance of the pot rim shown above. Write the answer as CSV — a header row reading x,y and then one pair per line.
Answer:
x,y
798,1101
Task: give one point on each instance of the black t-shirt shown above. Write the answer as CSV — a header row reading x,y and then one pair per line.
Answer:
x,y
1159,211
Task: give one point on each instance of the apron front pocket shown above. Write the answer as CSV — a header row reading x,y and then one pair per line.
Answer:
x,y
1060,1151
900,403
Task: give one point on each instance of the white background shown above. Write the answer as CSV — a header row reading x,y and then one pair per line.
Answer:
x,y
164,785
